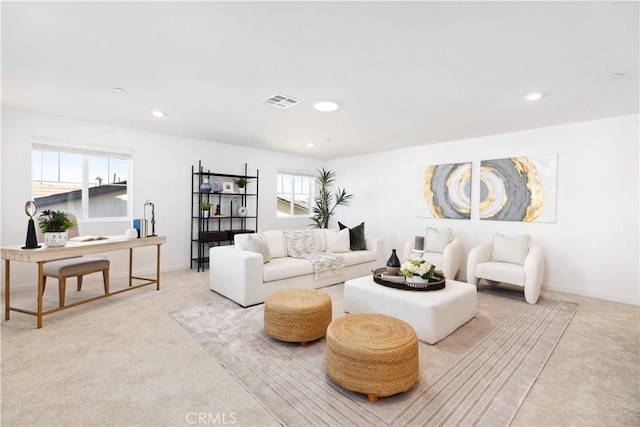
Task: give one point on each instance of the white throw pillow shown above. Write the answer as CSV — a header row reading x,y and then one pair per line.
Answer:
x,y
321,235
338,241
258,243
510,249
277,245
436,240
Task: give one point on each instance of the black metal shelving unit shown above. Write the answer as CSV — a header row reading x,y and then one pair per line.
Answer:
x,y
220,229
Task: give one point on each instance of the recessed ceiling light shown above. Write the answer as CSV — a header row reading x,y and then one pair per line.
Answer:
x,y
533,96
616,76
310,144
158,114
326,106
118,89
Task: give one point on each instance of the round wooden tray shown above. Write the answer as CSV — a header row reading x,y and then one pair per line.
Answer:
x,y
435,283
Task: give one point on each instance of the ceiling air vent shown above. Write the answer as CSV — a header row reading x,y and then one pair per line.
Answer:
x,y
281,101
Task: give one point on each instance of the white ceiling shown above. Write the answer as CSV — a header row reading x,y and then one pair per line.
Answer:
x,y
405,73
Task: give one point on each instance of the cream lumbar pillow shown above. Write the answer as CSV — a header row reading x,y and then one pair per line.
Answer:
x,y
436,240
338,241
510,249
258,243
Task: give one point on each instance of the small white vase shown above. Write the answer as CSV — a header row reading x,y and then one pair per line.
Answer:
x,y
55,239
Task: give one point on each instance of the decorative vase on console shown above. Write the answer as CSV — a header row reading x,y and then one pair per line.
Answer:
x,y
393,264
205,187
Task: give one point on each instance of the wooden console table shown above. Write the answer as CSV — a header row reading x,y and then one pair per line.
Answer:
x,y
75,249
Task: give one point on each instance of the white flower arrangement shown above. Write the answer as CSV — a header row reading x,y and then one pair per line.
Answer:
x,y
416,266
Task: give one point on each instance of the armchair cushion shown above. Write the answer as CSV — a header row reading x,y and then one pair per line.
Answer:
x,y
286,267
501,272
437,240
510,249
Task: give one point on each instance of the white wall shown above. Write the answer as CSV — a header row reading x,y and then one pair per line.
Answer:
x,y
161,173
591,249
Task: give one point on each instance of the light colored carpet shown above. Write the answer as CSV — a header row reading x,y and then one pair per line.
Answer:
x,y
479,375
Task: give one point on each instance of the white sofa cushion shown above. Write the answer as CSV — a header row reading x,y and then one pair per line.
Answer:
x,y
286,267
358,257
277,245
338,241
501,272
258,243
436,240
510,249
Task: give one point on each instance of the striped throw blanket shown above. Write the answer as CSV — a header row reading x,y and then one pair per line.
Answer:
x,y
304,244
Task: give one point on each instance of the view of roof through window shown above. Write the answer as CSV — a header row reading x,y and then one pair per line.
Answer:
x,y
59,178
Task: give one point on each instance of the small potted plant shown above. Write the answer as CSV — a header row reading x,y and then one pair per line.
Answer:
x,y
241,182
54,224
205,208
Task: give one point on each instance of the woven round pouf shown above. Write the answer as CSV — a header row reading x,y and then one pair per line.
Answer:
x,y
297,315
372,353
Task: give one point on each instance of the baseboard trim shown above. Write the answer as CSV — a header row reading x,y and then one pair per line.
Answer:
x,y
597,295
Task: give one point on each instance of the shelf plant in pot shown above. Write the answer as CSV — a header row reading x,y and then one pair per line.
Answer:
x,y
241,182
205,208
54,224
325,203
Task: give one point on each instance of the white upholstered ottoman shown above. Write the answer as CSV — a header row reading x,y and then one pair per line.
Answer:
x,y
433,314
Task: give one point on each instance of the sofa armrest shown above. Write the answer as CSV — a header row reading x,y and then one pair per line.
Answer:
x,y
236,274
453,258
377,246
477,255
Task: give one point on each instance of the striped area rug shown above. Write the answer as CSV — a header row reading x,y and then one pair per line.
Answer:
x,y
479,375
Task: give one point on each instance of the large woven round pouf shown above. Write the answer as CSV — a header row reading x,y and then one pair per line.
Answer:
x,y
297,315
372,353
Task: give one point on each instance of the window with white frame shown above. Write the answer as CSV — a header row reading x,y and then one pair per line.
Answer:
x,y
294,193
88,184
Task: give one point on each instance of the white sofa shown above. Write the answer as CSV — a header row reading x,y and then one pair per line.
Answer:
x,y
241,275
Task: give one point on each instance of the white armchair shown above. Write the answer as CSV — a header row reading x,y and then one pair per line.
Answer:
x,y
450,261
482,264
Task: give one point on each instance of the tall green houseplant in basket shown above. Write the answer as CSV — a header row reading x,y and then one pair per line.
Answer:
x,y
326,202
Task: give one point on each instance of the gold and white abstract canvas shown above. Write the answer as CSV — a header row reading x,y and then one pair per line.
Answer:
x,y
519,188
444,191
